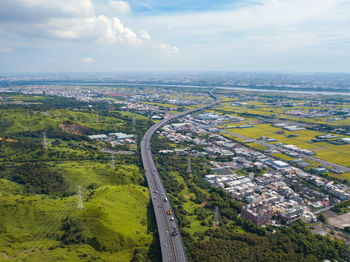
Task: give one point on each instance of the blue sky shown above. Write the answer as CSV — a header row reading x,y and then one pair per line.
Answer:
x,y
179,35
153,7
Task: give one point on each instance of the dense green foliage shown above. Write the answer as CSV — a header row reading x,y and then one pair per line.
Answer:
x,y
37,178
73,232
294,243
342,207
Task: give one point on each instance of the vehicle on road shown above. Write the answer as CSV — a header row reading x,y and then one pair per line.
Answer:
x,y
174,233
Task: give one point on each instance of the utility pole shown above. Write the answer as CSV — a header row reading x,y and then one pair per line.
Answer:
x,y
44,141
133,124
80,202
134,127
97,120
216,216
112,161
189,167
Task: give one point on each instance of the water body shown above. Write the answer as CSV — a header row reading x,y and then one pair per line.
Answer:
x,y
287,91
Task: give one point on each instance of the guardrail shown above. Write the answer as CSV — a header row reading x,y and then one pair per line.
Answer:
x,y
147,160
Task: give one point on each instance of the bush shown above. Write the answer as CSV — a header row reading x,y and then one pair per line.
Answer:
x,y
37,178
73,232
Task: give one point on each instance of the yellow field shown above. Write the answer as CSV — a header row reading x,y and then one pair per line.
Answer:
x,y
332,153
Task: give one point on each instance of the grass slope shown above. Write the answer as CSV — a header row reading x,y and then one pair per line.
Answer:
x,y
115,223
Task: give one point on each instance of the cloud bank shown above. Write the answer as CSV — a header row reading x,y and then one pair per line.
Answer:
x,y
67,20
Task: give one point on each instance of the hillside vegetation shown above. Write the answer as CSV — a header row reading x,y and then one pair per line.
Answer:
x,y
39,215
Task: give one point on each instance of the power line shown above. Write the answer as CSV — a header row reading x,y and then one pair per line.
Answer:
x,y
97,118
52,223
216,216
133,124
80,202
113,161
55,221
44,141
189,166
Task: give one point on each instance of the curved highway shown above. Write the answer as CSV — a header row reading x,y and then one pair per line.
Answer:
x,y
171,243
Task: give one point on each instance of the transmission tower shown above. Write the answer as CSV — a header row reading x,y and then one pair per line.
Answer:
x,y
113,161
27,113
44,141
133,124
80,202
134,127
189,167
216,216
97,120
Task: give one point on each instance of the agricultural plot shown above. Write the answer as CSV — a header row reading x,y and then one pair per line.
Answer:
x,y
332,153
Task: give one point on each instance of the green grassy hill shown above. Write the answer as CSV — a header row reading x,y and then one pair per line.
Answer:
x,y
117,222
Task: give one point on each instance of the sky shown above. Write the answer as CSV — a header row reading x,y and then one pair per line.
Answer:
x,y
178,35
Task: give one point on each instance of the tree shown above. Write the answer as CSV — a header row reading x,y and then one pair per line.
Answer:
x,y
73,231
321,218
38,178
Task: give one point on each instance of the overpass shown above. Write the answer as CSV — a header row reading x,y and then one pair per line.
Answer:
x,y
171,243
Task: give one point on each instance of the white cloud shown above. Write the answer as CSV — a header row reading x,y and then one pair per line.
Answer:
x,y
281,22
67,20
100,28
120,6
43,10
169,49
87,60
144,35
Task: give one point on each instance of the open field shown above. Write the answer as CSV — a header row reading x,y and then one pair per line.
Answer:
x,y
114,219
267,110
333,153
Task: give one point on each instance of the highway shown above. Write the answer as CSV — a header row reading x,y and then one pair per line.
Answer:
x,y
171,243
324,163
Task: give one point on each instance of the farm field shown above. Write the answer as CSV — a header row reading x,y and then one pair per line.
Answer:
x,y
333,153
262,109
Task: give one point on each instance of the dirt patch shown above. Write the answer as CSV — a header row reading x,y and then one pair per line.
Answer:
x,y
75,129
203,204
187,196
340,221
329,214
11,140
319,230
4,255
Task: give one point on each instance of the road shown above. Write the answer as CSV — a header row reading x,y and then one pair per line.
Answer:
x,y
171,244
324,163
